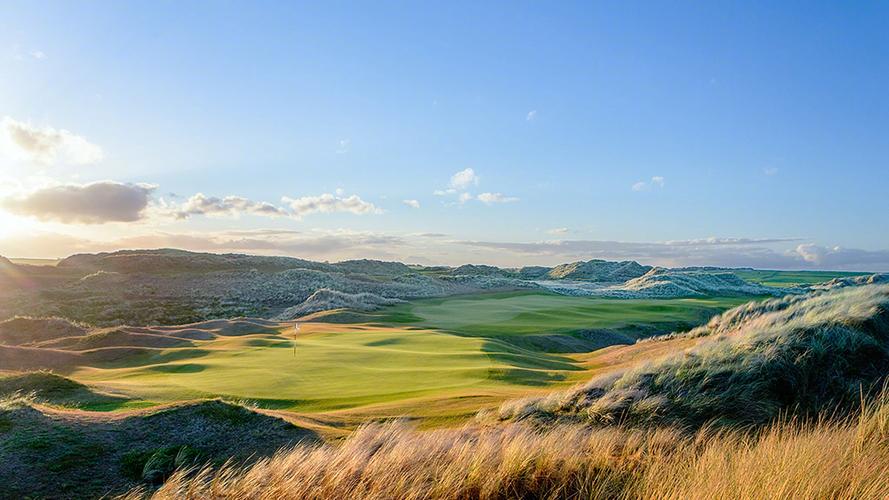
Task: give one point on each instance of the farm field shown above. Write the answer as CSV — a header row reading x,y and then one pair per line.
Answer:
x,y
439,359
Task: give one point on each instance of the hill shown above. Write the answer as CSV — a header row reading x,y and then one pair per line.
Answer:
x,y
24,331
61,454
145,287
801,354
49,388
158,287
600,271
326,300
660,283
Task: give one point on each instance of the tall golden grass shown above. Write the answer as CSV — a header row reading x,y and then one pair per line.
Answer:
x,y
847,458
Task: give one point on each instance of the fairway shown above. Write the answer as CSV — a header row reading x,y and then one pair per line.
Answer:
x,y
523,313
332,367
439,355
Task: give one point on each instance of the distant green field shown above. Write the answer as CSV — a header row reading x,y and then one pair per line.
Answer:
x,y
452,349
523,313
792,278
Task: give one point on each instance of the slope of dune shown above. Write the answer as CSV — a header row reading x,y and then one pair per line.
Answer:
x,y
116,337
325,299
797,354
23,330
659,283
47,387
82,455
598,271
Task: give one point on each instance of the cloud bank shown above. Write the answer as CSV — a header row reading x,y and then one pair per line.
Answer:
x,y
95,203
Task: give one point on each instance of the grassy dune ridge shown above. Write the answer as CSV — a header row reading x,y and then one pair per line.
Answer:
x,y
744,367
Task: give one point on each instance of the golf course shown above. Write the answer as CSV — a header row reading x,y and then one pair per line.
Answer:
x,y
441,359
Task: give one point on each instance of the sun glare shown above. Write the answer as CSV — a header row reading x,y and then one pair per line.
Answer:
x,y
11,224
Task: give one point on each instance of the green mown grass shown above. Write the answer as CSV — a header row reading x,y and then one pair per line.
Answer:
x,y
426,350
792,278
523,313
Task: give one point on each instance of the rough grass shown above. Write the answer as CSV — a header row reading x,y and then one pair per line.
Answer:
x,y
826,459
22,330
48,388
52,453
798,355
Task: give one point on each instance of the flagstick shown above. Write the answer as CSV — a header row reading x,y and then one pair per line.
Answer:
x,y
295,329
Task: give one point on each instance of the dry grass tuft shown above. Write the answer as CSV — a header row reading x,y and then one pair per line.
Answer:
x,y
824,459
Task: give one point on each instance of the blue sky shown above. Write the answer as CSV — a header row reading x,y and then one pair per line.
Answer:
x,y
674,133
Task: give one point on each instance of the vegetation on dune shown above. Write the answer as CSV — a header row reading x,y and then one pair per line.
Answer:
x,y
796,354
49,453
152,287
22,330
828,459
49,388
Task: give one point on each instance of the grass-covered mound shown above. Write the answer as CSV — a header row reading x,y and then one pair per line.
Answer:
x,y
25,330
799,354
59,454
47,387
116,337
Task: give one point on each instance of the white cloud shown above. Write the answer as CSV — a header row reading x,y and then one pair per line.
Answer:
x,y
460,185
330,203
20,140
38,54
558,230
531,115
490,198
838,257
412,203
656,181
95,203
200,204
770,171
464,179
343,146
